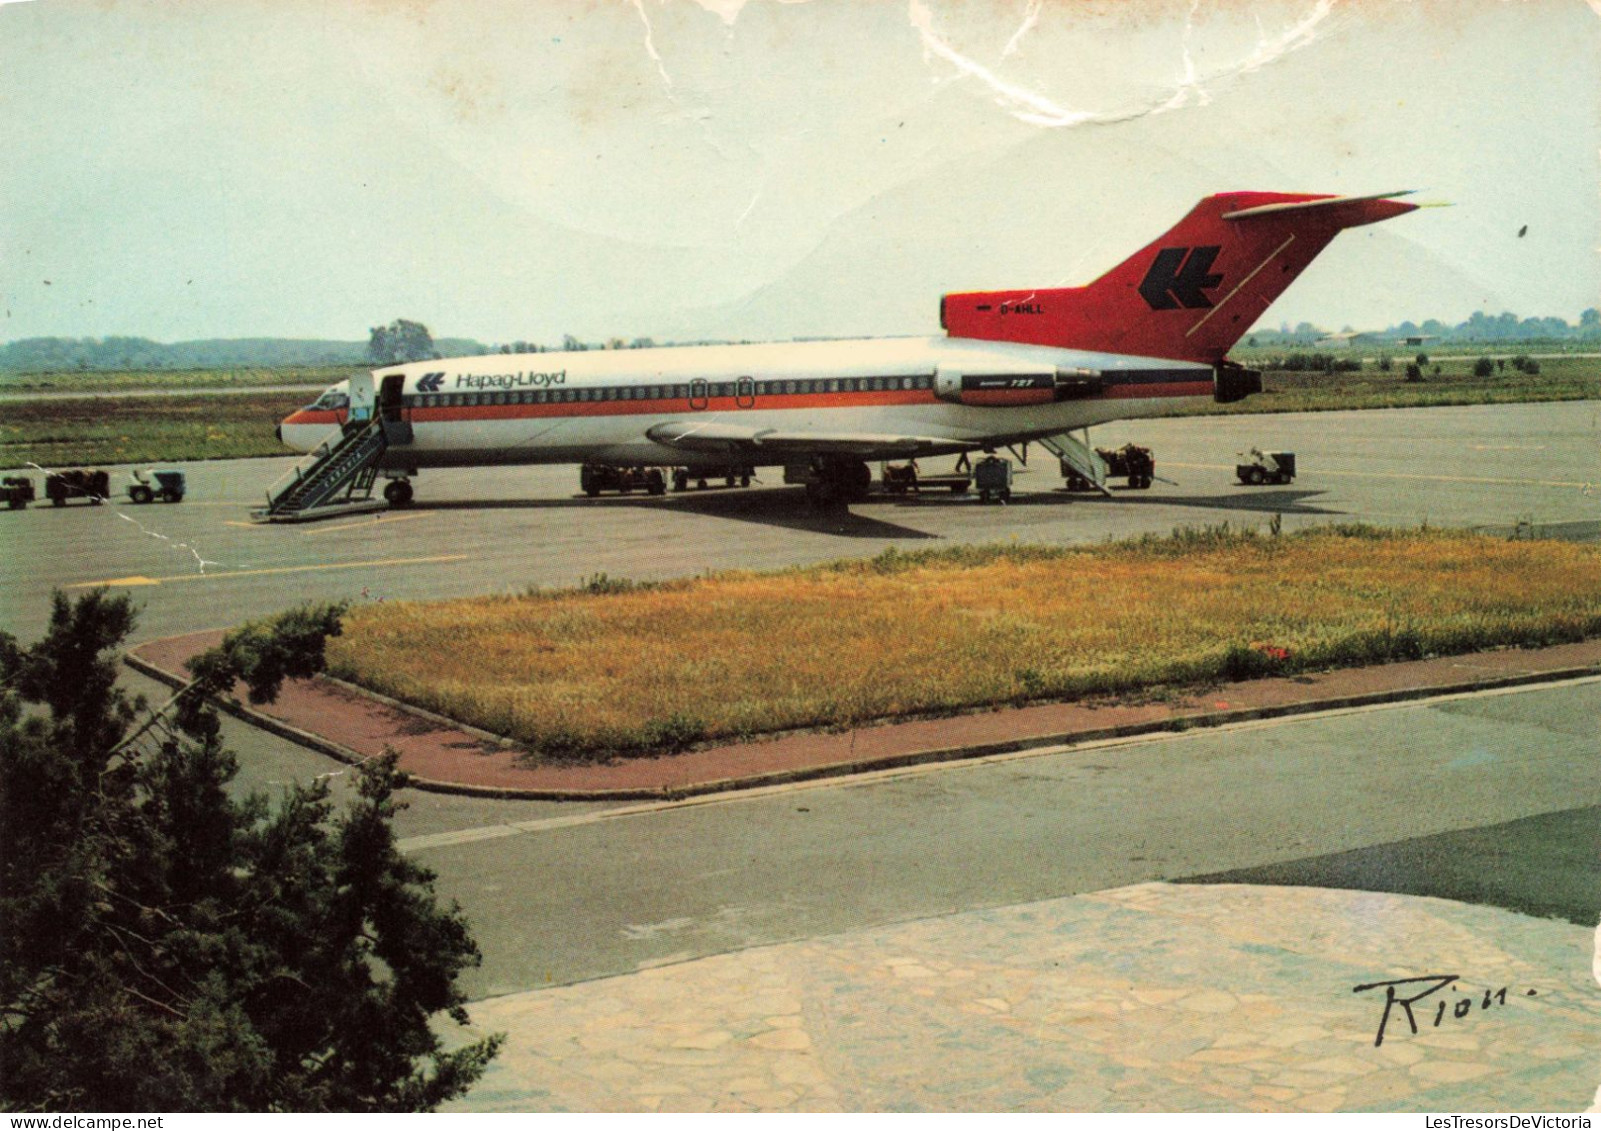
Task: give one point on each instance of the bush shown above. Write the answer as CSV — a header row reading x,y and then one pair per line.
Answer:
x,y
1484,367
1413,371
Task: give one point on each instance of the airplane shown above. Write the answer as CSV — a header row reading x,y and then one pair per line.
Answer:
x,y
1012,367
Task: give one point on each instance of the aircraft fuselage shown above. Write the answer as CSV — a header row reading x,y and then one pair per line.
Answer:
x,y
613,406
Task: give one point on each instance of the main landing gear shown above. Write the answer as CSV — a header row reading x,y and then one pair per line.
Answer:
x,y
398,492
837,481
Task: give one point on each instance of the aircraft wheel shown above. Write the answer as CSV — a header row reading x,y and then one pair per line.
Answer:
x,y
744,481
656,482
680,479
398,492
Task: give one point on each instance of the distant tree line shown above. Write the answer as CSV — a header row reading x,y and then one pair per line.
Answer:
x,y
1479,327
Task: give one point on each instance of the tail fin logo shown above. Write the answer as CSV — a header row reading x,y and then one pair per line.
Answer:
x,y
1179,277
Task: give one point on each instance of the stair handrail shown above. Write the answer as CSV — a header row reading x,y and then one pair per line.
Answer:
x,y
303,465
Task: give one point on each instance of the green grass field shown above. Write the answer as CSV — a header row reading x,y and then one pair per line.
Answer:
x,y
121,381
618,670
1559,379
112,428
92,431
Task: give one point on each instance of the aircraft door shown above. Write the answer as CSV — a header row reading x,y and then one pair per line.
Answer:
x,y
745,392
392,409
391,404
361,398
698,393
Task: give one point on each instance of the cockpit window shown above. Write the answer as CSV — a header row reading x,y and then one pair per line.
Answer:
x,y
332,401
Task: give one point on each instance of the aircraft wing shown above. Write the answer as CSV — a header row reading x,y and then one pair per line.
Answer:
x,y
732,439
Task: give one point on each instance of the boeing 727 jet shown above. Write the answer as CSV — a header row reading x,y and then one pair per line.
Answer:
x,y
1011,367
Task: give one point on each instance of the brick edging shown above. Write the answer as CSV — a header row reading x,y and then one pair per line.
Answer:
x,y
1177,724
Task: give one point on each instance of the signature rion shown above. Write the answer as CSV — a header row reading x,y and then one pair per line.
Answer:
x,y
1427,985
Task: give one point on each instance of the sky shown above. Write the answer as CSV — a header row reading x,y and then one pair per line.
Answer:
x,y
758,169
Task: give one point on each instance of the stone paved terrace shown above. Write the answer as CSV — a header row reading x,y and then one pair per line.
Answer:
x,y
1145,998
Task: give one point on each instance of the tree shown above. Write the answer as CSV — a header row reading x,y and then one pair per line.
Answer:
x,y
1484,367
400,341
166,947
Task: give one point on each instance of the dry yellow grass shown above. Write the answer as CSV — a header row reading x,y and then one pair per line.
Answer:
x,y
579,673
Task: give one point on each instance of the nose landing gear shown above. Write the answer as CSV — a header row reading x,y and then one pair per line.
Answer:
x,y
398,492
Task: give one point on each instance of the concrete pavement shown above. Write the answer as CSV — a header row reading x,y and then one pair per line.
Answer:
x,y
1143,998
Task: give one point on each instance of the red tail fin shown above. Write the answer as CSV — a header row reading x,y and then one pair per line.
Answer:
x,y
1188,296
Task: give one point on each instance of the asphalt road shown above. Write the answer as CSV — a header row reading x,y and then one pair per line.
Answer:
x,y
606,895
594,891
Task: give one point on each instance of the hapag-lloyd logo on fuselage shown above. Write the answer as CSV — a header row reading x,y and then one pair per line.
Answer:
x,y
518,380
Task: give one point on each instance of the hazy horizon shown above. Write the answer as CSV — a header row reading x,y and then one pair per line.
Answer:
x,y
697,169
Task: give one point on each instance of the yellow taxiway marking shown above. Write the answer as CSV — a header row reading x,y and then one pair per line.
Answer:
x,y
367,524
138,580
1400,475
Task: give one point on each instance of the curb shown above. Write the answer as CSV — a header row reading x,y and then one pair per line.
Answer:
x,y
1176,724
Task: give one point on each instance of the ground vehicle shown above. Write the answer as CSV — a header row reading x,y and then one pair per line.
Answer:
x,y
164,483
731,476
1131,461
1257,467
992,475
901,478
597,477
59,486
16,491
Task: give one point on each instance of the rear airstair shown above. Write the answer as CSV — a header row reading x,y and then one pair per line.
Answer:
x,y
1077,454
338,478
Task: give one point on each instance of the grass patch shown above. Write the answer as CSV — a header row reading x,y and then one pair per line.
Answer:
x,y
111,429
611,670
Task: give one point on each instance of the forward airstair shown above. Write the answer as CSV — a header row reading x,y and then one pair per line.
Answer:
x,y
338,479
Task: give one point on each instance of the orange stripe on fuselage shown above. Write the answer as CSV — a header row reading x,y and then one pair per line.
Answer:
x,y
432,414
429,414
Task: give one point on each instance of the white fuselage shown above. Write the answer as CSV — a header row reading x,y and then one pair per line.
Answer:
x,y
600,405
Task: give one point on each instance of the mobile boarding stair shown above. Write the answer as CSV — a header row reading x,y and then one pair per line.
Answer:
x,y
1077,454
337,478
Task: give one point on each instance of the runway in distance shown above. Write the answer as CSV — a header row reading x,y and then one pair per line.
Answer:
x,y
1012,367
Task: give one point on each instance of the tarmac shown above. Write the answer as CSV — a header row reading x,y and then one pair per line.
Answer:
x,y
1152,997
